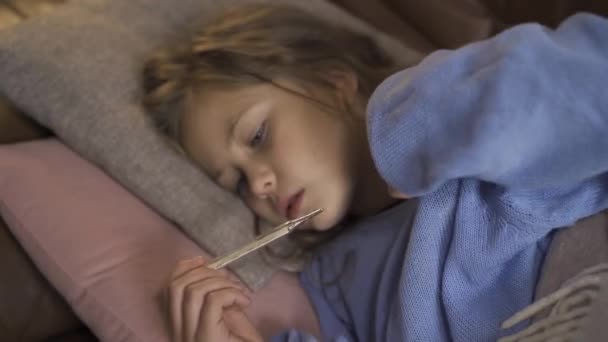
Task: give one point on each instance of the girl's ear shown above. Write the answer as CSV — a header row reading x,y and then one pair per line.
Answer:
x,y
346,83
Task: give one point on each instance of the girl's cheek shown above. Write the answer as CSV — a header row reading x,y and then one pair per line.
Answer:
x,y
264,209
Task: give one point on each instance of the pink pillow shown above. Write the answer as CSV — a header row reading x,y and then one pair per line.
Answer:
x,y
105,251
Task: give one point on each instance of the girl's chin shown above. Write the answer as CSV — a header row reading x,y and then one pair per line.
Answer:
x,y
325,221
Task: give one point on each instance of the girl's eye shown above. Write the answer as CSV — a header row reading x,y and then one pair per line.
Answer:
x,y
259,136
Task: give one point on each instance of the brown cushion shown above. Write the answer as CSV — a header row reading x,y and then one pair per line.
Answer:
x,y
430,24
81,335
31,310
384,17
15,127
572,250
546,12
433,24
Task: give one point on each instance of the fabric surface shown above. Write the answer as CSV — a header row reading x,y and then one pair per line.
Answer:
x,y
503,141
546,12
428,25
595,329
355,277
106,252
15,126
352,281
573,313
572,250
440,24
31,309
76,71
506,139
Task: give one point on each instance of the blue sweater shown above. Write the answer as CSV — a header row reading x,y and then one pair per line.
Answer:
x,y
501,142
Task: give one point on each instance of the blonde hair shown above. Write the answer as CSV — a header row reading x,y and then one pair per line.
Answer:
x,y
252,44
258,43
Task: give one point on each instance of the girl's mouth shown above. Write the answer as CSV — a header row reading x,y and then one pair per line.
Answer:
x,y
293,206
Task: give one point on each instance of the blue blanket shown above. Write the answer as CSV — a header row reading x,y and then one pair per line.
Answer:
x,y
501,142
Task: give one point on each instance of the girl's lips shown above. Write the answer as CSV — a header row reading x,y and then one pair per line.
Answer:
x,y
293,206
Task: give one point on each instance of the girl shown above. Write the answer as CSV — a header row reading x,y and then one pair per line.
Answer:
x,y
497,143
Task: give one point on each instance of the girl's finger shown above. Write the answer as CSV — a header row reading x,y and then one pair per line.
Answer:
x,y
186,265
211,326
239,324
185,274
194,301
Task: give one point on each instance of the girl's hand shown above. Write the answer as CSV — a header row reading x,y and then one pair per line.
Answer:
x,y
205,305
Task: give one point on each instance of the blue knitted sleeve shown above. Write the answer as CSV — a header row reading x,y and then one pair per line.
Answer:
x,y
526,111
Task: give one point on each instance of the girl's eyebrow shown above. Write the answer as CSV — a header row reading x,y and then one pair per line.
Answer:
x,y
233,123
234,120
253,107
217,175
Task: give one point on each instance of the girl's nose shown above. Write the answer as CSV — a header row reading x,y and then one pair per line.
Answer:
x,y
263,183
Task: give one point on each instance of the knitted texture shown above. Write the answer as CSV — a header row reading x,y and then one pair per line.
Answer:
x,y
503,140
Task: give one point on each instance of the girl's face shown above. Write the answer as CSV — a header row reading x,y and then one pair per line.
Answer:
x,y
284,154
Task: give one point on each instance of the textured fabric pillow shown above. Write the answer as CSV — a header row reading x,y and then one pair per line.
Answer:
x,y
106,252
76,71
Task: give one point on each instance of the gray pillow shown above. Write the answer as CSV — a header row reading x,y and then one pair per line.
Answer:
x,y
77,71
